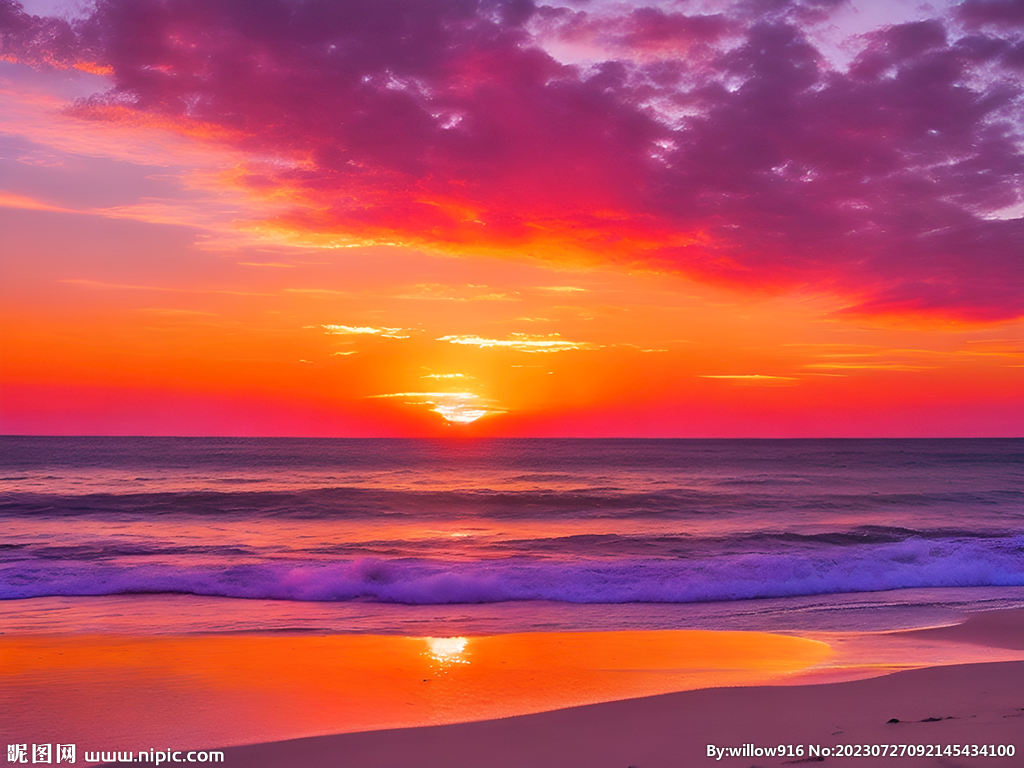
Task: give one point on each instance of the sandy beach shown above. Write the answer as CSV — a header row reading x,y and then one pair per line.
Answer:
x,y
959,706
954,705
588,699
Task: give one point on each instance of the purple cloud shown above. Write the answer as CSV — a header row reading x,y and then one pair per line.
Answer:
x,y
726,146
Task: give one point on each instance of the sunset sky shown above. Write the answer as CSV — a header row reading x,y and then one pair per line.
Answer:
x,y
707,218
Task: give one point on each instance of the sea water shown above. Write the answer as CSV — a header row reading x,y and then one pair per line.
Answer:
x,y
452,536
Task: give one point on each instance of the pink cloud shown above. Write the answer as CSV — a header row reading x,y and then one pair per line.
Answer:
x,y
726,146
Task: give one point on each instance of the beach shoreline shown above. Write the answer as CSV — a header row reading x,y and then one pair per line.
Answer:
x,y
211,691
956,706
959,706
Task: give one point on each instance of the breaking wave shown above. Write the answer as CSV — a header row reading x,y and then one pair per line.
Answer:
x,y
829,569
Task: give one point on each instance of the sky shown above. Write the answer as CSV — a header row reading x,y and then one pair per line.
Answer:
x,y
377,218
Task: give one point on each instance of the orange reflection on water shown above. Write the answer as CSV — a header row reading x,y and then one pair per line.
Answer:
x,y
199,691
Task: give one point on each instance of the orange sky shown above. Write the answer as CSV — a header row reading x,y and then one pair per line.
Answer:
x,y
568,222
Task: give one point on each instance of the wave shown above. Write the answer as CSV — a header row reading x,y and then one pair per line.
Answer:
x,y
342,501
496,504
602,547
831,569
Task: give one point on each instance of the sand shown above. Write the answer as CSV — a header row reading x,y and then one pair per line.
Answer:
x,y
994,629
599,699
960,705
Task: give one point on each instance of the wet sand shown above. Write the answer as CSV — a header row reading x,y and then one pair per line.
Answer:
x,y
948,708
198,691
954,705
462,701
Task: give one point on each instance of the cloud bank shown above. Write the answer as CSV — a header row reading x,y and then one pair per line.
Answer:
x,y
729,145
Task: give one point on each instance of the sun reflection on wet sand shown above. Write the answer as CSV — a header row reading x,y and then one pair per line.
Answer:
x,y
447,650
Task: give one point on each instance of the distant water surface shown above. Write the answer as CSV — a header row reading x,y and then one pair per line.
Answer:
x,y
450,522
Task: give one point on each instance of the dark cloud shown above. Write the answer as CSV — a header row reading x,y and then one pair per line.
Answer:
x,y
40,41
724,146
1003,14
645,31
876,180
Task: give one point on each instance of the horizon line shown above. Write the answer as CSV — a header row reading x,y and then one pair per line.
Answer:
x,y
511,437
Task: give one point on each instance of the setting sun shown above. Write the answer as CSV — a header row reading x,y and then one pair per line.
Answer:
x,y
511,383
618,220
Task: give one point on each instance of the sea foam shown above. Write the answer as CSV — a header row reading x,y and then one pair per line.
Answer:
x,y
914,562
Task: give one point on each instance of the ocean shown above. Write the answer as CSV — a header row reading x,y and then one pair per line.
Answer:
x,y
165,535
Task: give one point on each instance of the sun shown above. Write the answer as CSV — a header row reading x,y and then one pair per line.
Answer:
x,y
453,407
459,412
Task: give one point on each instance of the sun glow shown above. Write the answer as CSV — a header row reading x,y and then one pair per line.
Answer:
x,y
459,413
453,407
584,279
